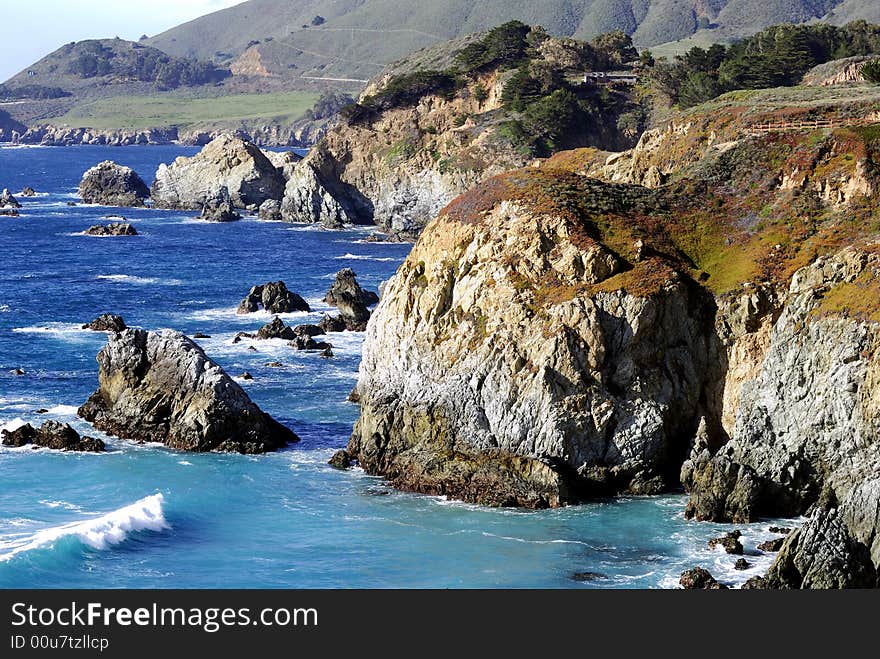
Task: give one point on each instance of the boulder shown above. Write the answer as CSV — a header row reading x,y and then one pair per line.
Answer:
x,y
306,200
7,200
226,162
274,297
303,342
699,579
331,324
112,229
161,387
346,284
741,564
729,541
308,330
110,184
219,207
28,191
270,211
53,435
771,545
755,583
276,329
340,460
107,322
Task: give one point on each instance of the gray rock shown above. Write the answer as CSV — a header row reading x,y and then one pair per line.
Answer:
x,y
112,229
270,210
227,162
107,322
219,207
113,185
161,387
346,283
53,435
306,200
274,297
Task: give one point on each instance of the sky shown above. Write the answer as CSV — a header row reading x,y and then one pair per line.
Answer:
x,y
34,28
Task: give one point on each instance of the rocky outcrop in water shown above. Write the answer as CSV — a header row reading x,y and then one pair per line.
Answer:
x,y
249,177
346,286
161,387
276,329
274,297
699,579
53,435
107,322
7,200
110,184
112,229
218,207
307,200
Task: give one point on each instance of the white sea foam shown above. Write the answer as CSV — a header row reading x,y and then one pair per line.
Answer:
x,y
63,410
60,329
98,533
362,257
61,504
14,424
131,279
4,308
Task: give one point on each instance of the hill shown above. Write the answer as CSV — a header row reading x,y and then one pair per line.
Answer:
x,y
355,39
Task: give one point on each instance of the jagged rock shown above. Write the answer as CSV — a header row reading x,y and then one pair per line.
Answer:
x,y
276,329
110,184
327,353
306,200
771,545
755,583
699,579
7,200
246,376
482,381
823,554
112,229
346,284
303,342
161,387
28,191
243,335
227,162
53,435
274,297
270,210
341,460
729,541
107,322
741,564
218,207
331,324
352,311
308,330
17,371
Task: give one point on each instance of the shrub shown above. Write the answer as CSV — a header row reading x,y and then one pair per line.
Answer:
x,y
871,71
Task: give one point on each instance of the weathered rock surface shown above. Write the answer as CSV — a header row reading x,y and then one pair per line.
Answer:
x,y
228,162
531,380
274,297
270,211
7,200
699,579
340,460
112,229
346,283
277,329
307,200
161,387
218,207
53,435
107,322
110,184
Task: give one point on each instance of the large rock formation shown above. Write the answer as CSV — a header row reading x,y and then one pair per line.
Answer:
x,y
161,387
113,185
112,229
247,174
307,200
7,200
516,360
346,285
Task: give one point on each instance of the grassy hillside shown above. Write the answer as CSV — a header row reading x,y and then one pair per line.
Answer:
x,y
141,112
355,38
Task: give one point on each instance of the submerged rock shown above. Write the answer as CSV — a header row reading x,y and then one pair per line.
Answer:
x,y
161,387
112,229
53,435
699,579
110,184
274,297
107,322
227,162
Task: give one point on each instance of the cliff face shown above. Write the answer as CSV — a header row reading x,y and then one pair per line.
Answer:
x,y
552,337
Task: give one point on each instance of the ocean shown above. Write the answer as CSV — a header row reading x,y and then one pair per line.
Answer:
x,y
144,516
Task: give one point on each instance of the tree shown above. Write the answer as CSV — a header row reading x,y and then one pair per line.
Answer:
x,y
871,71
614,49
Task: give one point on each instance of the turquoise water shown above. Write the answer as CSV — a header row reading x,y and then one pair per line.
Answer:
x,y
145,516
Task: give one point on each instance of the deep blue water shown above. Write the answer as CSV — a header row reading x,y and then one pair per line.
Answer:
x,y
146,516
